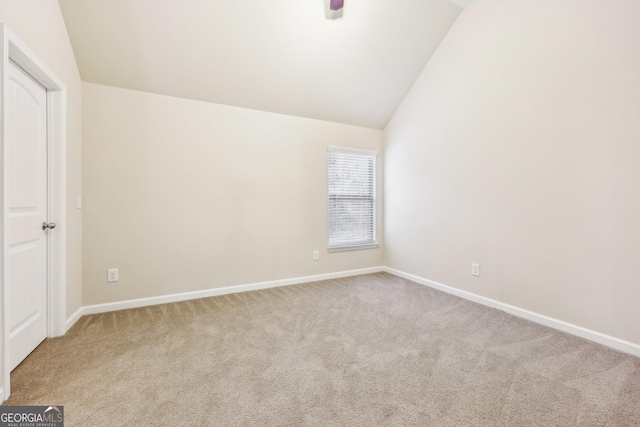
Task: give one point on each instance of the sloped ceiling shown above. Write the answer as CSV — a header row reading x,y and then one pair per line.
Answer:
x,y
463,3
291,57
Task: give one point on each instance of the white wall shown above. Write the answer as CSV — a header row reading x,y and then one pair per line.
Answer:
x,y
39,24
183,195
518,148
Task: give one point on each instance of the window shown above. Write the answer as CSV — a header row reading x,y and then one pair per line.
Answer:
x,y
352,199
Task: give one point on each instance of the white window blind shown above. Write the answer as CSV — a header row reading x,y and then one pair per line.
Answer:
x,y
352,198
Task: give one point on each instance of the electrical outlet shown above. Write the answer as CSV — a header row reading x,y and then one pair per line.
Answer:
x,y
112,275
475,269
79,201
316,255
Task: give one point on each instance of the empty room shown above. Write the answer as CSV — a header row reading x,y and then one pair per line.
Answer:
x,y
320,213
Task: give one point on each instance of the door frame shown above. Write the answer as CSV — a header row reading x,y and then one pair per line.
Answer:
x,y
12,48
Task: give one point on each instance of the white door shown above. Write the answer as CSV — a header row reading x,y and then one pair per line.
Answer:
x,y
26,148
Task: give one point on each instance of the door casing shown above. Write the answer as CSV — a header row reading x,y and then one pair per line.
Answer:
x,y
11,47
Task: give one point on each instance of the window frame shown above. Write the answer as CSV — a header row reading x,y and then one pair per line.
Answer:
x,y
360,246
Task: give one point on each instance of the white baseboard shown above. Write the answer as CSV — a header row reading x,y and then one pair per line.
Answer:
x,y
164,299
73,319
600,338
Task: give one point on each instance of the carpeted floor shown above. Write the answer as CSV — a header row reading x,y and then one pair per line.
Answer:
x,y
362,351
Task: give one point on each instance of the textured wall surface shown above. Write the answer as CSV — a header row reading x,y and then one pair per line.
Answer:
x,y
518,149
184,195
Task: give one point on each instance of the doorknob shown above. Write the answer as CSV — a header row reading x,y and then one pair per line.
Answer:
x,y
48,225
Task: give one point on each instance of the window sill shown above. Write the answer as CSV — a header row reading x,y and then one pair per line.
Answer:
x,y
353,247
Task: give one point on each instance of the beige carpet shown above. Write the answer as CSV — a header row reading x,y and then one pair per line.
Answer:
x,y
363,351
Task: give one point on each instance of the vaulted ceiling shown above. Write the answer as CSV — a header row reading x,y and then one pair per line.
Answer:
x,y
292,57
